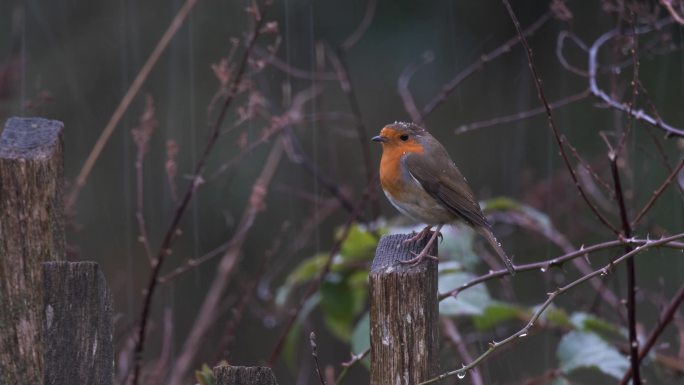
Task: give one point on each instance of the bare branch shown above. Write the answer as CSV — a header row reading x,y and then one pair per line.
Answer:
x,y
598,92
522,114
495,345
545,266
552,124
658,192
351,41
450,86
665,318
173,230
133,90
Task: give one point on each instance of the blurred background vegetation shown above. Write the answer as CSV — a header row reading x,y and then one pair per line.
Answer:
x,y
74,60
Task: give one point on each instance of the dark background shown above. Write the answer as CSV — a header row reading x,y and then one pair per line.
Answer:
x,y
85,54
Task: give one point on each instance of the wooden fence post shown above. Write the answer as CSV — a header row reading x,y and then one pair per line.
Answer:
x,y
31,232
244,375
403,314
78,324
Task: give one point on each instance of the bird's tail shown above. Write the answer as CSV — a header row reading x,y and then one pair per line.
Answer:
x,y
487,233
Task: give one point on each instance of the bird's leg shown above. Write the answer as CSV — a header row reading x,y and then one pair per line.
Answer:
x,y
424,254
422,234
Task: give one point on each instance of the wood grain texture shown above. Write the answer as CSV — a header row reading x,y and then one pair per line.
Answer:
x,y
403,314
31,232
244,375
77,319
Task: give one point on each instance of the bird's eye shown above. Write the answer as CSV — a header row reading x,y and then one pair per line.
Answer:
x,y
404,138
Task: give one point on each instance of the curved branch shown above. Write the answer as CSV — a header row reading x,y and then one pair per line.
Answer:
x,y
544,266
495,345
598,92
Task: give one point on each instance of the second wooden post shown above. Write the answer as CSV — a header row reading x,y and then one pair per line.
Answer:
x,y
403,314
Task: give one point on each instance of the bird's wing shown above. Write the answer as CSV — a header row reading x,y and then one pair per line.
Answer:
x,y
440,177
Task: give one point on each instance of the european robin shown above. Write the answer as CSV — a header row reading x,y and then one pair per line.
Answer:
x,y
422,182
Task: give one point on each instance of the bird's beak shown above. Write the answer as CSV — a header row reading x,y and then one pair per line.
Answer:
x,y
379,138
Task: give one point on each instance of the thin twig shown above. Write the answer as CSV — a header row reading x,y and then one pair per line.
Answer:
x,y
670,8
552,124
133,90
598,92
173,230
356,358
338,60
560,44
291,70
658,192
545,266
403,85
522,114
631,274
455,337
590,170
315,284
246,297
141,136
495,345
450,86
314,353
532,223
207,313
666,317
361,29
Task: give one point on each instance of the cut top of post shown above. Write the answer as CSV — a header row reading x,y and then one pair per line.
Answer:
x,y
29,138
392,249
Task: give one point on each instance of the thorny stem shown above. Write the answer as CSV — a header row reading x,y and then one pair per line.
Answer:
x,y
164,249
403,86
631,274
666,317
548,264
495,345
626,226
314,353
657,193
552,124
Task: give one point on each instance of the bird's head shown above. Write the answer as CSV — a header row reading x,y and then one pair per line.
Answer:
x,y
400,136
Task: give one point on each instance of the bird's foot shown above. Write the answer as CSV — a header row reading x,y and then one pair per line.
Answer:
x,y
420,235
419,257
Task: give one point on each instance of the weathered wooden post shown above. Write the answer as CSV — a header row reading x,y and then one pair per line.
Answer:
x,y
403,314
31,232
244,375
78,324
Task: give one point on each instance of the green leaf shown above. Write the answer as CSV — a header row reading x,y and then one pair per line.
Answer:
x,y
560,381
359,245
473,301
205,376
557,317
457,245
495,314
341,303
591,323
586,350
508,204
360,340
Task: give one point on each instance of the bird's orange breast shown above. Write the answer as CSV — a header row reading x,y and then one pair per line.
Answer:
x,y
390,167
